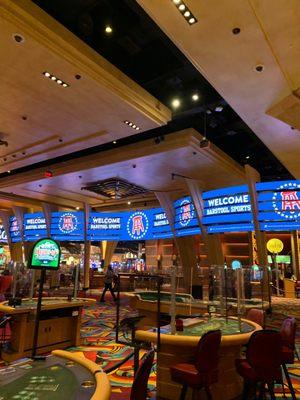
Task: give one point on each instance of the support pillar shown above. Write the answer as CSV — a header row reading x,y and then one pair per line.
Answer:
x,y
87,249
212,243
185,245
295,253
47,210
253,177
108,249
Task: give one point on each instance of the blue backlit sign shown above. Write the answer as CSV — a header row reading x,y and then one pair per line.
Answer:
x,y
34,226
14,230
279,205
186,221
227,210
67,226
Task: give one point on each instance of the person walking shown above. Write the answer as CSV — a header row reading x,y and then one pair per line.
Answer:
x,y
108,281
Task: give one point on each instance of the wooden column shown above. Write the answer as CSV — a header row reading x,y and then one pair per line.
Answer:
x,y
47,210
212,243
185,245
253,177
22,248
295,253
87,249
108,249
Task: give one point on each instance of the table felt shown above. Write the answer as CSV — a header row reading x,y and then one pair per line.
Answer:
x,y
229,327
44,380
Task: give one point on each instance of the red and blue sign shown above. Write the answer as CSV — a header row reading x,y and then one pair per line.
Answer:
x,y
225,210
279,205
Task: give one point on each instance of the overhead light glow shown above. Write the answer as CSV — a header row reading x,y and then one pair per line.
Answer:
x,y
195,97
77,208
185,11
132,125
219,109
55,79
108,29
247,157
129,202
176,103
114,142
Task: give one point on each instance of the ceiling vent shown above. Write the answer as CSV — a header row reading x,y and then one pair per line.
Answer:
x,y
115,188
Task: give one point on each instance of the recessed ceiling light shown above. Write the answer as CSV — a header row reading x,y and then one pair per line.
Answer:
x,y
8,172
132,125
219,109
55,79
195,97
129,202
108,29
77,208
114,142
247,157
176,103
185,11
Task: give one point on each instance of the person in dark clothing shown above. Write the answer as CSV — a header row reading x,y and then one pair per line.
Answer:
x,y
108,281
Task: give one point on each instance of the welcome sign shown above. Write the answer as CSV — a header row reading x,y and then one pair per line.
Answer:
x,y
228,210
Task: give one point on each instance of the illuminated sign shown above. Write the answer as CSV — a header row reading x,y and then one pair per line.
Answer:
x,y
186,222
227,210
137,225
279,205
67,226
34,226
3,235
45,255
14,230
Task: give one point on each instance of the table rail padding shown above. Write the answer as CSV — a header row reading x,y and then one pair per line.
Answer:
x,y
103,388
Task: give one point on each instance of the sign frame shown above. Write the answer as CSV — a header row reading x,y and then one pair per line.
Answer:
x,y
41,266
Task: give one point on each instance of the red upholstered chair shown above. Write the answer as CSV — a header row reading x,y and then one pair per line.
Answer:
x,y
204,371
140,383
262,364
288,334
256,315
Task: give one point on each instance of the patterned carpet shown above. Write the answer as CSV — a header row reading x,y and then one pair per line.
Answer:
x,y
99,346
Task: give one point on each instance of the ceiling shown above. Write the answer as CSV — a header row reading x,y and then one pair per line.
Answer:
x,y
148,163
40,119
162,66
257,71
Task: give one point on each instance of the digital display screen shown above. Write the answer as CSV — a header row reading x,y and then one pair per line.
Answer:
x,y
45,255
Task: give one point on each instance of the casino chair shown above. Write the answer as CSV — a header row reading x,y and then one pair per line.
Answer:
x,y
262,364
140,384
288,334
203,372
256,315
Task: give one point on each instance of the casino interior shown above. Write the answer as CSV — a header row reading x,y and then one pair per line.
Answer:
x,y
149,199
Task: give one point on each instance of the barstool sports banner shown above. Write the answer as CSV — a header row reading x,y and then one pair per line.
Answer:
x,y
225,210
